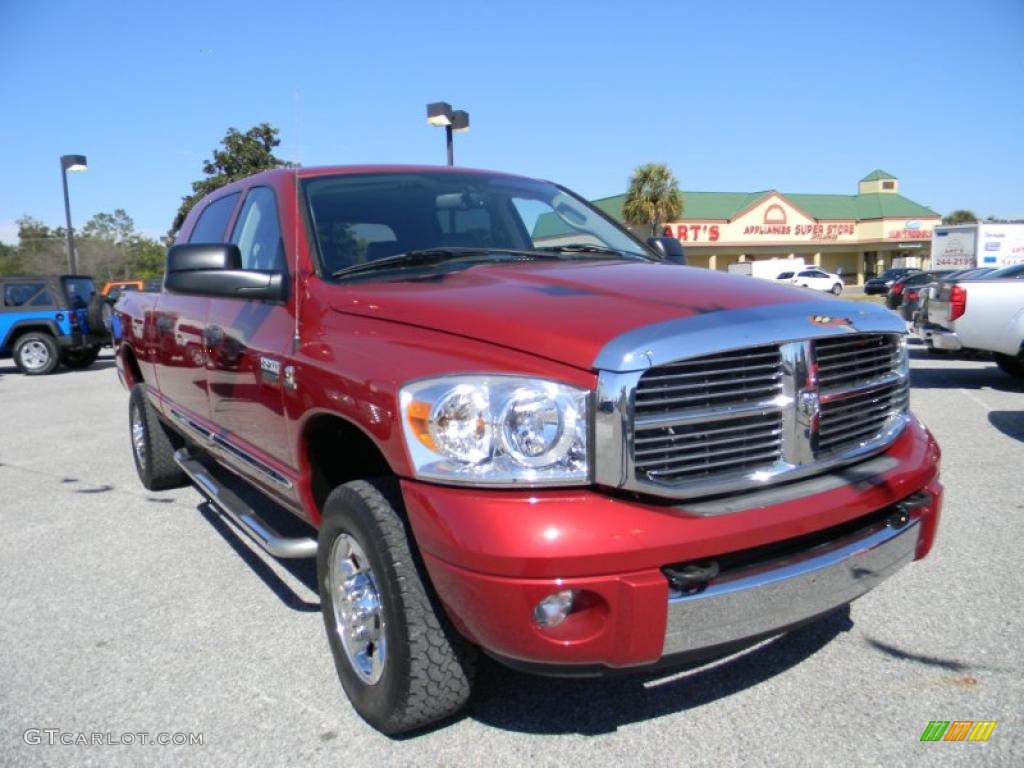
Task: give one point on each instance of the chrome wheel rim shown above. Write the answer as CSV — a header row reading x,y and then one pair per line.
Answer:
x,y
358,612
138,436
35,355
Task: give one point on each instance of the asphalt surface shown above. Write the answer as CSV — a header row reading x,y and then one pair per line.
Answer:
x,y
124,611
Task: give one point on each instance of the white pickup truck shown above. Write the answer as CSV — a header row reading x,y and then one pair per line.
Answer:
x,y
986,314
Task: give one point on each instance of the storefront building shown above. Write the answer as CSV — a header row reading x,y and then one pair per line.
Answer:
x,y
856,236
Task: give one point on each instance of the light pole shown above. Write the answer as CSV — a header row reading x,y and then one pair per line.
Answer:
x,y
439,114
70,163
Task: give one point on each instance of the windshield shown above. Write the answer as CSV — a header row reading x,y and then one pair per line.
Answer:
x,y
362,218
79,291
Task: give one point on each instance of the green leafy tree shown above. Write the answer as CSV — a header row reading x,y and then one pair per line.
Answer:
x,y
116,227
960,216
653,198
243,154
148,257
41,249
11,262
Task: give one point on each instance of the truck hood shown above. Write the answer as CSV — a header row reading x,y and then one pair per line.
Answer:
x,y
568,311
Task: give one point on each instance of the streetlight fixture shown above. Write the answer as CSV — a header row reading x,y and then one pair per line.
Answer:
x,y
439,114
70,163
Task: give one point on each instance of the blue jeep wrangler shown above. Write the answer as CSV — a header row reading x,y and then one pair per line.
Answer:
x,y
44,322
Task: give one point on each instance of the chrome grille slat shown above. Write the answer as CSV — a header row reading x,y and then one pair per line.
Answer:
x,y
742,462
714,431
773,379
742,393
678,444
859,365
725,372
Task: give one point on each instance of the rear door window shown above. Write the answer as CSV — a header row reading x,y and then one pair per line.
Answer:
x,y
79,291
258,231
213,221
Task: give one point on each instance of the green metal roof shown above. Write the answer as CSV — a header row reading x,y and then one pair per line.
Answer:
x,y
877,174
725,206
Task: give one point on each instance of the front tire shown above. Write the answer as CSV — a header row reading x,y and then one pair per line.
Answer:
x,y
80,358
837,289
35,354
400,661
1013,366
153,445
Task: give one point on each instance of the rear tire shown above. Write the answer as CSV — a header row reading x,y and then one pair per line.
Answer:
x,y
94,312
153,445
80,358
35,354
1013,366
400,661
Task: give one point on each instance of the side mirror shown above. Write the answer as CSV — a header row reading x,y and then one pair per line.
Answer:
x,y
214,269
669,248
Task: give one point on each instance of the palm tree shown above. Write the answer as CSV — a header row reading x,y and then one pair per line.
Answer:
x,y
653,198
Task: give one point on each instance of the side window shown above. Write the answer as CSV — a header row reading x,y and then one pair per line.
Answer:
x,y
213,221
20,294
808,273
42,299
784,276
258,231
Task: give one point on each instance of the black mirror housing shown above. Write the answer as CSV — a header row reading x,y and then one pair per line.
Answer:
x,y
193,256
214,269
669,248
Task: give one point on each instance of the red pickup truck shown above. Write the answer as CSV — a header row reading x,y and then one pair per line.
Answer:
x,y
508,425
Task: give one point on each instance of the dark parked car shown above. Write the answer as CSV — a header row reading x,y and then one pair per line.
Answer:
x,y
905,294
884,281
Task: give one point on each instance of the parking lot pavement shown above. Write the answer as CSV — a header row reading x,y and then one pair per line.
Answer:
x,y
125,611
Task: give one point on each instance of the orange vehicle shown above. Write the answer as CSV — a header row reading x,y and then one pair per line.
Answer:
x,y
121,286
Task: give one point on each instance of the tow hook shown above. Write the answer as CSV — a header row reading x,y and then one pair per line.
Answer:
x,y
900,515
691,577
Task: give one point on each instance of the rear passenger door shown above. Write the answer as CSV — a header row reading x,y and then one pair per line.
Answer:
x,y
180,322
249,344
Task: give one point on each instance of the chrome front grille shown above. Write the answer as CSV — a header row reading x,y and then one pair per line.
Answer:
x,y
844,361
704,434
859,393
723,421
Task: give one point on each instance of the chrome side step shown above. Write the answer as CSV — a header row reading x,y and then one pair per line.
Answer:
x,y
241,514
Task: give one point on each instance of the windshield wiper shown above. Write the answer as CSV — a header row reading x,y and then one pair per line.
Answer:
x,y
427,256
597,250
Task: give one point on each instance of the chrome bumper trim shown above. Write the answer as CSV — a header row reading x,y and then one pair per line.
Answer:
x,y
753,604
945,340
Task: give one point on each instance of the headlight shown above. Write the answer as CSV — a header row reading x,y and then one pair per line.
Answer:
x,y
502,430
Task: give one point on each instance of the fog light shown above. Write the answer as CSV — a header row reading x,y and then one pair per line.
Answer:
x,y
553,609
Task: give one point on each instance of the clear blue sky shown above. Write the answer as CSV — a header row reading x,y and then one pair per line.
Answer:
x,y
735,96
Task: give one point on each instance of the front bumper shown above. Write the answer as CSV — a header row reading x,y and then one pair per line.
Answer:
x,y
789,592
492,556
